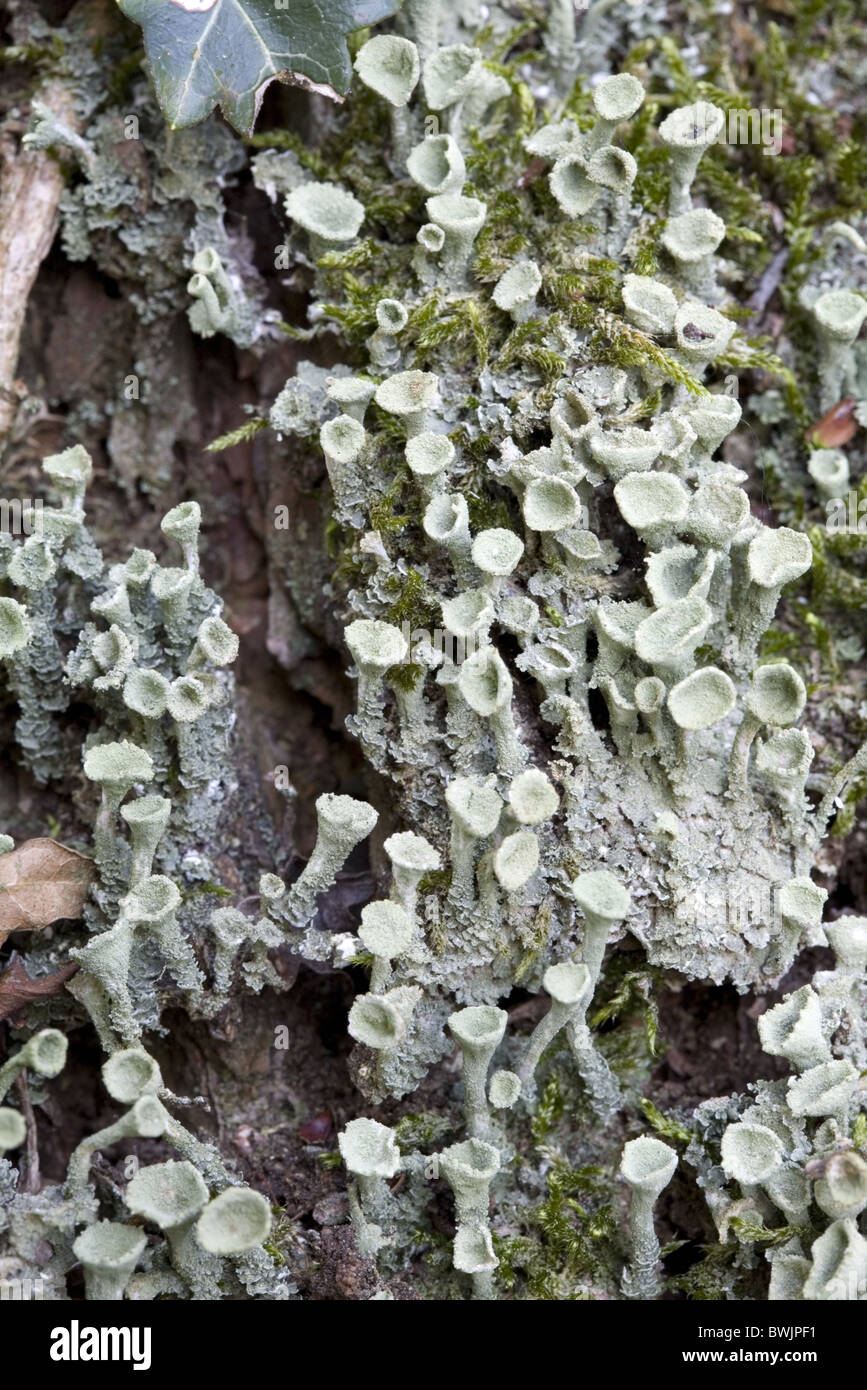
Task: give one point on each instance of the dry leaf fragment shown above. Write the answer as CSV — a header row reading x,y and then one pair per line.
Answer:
x,y
836,427
17,990
40,882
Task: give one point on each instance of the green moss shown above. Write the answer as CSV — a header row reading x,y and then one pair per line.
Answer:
x,y
405,677
681,80
123,73
241,435
308,155
714,1277
415,605
356,257
45,54
645,258
754,1232
850,172
628,996
614,341
745,355
569,1244
666,1125
383,517
734,195
363,959
423,1129
836,586
357,313
477,447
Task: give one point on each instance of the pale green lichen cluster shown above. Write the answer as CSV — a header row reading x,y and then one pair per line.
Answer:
x,y
148,652
151,661
791,1154
212,1244
629,576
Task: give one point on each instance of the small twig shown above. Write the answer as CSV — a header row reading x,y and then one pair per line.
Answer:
x,y
766,288
31,1179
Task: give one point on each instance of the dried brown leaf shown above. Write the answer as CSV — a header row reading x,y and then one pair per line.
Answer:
x,y
41,881
17,990
836,427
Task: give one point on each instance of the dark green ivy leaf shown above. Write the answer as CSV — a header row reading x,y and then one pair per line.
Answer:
x,y
204,52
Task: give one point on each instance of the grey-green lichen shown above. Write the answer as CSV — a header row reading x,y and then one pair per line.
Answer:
x,y
605,636
151,661
212,1244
